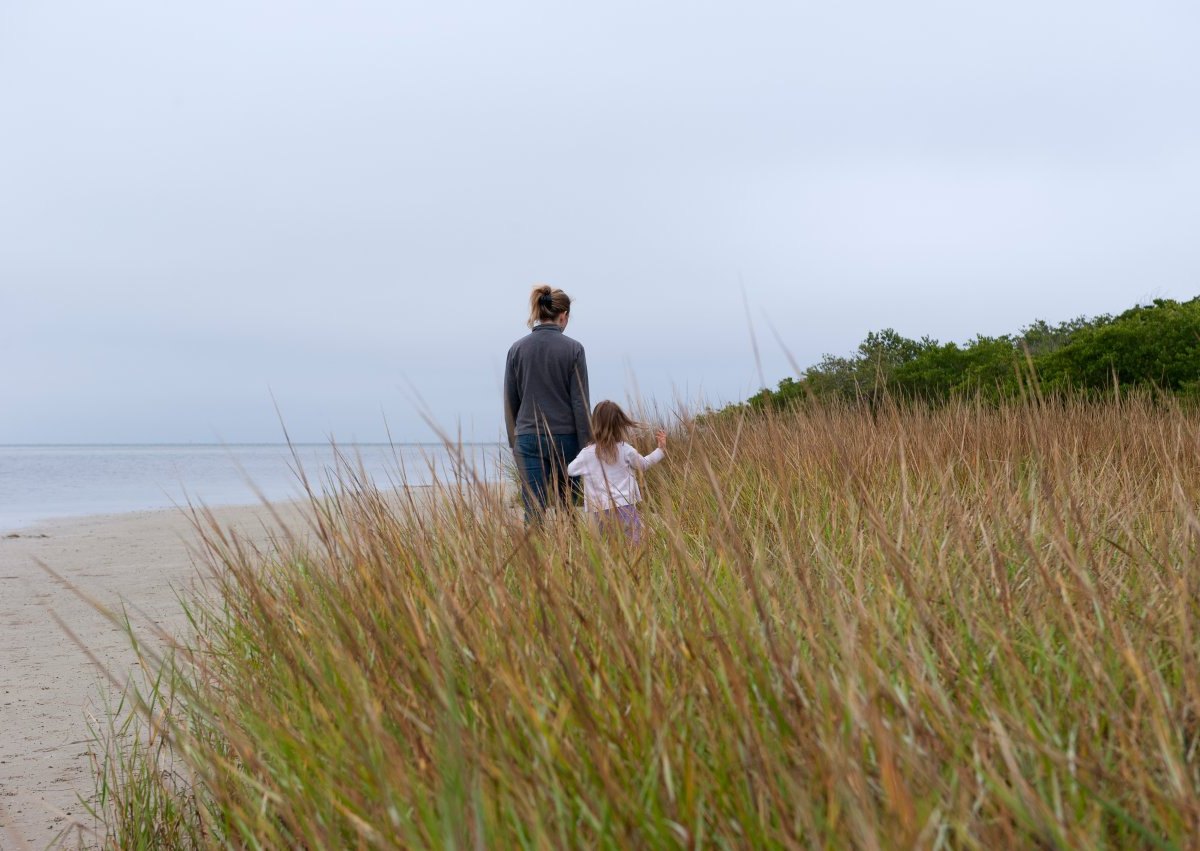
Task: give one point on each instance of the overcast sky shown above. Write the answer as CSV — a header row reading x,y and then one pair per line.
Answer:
x,y
345,204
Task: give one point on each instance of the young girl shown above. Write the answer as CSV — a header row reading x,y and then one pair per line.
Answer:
x,y
609,467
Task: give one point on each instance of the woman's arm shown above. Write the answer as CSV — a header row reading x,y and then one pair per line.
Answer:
x,y
580,409
512,399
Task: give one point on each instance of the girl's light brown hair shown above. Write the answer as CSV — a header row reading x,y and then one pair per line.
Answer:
x,y
546,304
610,426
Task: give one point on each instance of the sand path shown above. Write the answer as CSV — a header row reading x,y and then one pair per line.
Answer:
x,y
47,685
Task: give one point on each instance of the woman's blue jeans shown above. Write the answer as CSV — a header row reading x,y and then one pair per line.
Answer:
x,y
542,461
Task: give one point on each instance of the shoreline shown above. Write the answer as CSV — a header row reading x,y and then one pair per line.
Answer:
x,y
43,527
46,484
48,687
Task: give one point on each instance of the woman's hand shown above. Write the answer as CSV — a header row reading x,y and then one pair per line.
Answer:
x,y
661,437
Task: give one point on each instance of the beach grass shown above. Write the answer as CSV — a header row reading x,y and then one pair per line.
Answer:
x,y
963,627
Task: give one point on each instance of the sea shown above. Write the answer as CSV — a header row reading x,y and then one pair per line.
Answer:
x,y
39,483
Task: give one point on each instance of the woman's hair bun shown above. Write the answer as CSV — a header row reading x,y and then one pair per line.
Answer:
x,y
546,304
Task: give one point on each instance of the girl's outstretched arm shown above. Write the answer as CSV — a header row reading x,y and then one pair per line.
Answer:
x,y
641,462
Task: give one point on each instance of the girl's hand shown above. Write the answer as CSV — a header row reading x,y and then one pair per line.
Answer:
x,y
661,436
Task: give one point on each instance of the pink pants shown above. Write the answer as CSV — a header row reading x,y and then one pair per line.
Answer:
x,y
623,517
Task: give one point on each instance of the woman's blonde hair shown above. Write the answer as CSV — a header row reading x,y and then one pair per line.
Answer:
x,y
546,304
610,426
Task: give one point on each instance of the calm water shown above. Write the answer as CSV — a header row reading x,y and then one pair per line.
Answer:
x,y
47,482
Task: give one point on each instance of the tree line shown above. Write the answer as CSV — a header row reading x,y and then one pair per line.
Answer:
x,y
1154,346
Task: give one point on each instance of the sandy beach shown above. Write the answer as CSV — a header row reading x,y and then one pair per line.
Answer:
x,y
48,687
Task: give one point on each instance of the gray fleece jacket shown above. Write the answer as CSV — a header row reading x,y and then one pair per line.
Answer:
x,y
546,386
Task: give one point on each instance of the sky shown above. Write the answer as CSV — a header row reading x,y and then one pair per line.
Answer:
x,y
218,215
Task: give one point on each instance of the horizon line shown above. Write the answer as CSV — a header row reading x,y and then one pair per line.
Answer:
x,y
248,443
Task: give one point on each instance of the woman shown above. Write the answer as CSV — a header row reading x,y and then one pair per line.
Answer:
x,y
546,402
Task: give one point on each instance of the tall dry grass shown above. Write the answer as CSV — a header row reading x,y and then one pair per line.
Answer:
x,y
962,628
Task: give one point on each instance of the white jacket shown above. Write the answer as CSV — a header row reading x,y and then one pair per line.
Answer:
x,y
608,485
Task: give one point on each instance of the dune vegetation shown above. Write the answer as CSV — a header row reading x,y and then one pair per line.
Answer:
x,y
970,626
1150,348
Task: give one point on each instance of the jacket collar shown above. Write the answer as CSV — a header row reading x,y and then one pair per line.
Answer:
x,y
548,326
